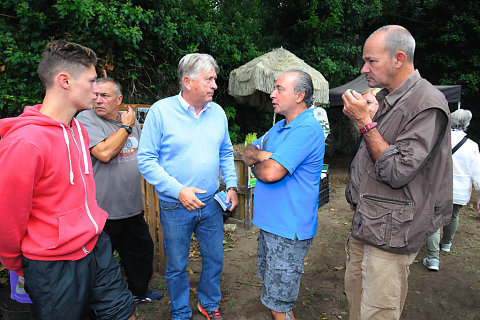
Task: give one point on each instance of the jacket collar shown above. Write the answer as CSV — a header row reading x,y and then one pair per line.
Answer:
x,y
406,85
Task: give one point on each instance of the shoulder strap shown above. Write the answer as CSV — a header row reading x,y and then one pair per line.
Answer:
x,y
459,144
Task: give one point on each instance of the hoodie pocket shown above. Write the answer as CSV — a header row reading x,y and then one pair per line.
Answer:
x,y
384,221
76,228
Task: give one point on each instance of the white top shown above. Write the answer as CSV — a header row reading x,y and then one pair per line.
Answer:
x,y
466,168
321,115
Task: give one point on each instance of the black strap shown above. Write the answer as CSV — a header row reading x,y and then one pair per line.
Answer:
x,y
459,145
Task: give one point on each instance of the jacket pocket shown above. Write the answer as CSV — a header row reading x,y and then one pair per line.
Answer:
x,y
384,222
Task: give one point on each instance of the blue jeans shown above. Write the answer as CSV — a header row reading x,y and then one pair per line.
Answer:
x,y
178,225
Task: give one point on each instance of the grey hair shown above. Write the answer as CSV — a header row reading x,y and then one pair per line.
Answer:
x,y
460,119
304,83
117,87
397,38
192,64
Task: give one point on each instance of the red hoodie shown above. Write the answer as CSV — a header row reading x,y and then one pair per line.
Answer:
x,y
48,209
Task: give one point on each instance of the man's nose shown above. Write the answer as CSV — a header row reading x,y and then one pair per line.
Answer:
x,y
365,69
273,94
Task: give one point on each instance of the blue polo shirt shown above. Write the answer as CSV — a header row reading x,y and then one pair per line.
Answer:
x,y
289,207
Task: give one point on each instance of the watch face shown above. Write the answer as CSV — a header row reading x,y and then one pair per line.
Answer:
x,y
129,129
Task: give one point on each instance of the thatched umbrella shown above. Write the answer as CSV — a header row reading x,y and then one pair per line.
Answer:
x,y
253,82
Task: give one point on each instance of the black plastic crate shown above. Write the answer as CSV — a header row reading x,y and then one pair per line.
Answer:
x,y
324,194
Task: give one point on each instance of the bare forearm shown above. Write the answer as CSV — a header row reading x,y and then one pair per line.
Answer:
x,y
252,155
110,147
269,171
375,143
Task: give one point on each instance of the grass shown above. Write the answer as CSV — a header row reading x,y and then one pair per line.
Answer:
x,y
160,286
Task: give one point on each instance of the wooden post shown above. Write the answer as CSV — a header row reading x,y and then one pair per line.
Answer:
x,y
242,215
152,214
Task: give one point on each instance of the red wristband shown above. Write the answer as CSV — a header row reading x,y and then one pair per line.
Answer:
x,y
368,127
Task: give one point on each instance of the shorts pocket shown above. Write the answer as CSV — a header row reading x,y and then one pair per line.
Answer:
x,y
286,280
384,222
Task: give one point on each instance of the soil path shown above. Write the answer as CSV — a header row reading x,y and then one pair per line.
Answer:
x,y
451,293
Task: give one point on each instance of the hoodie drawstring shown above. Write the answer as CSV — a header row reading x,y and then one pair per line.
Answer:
x,y
84,151
67,142
85,159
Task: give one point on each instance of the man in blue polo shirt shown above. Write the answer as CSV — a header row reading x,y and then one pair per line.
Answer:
x,y
287,162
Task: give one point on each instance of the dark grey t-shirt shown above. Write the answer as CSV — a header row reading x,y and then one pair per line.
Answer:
x,y
118,182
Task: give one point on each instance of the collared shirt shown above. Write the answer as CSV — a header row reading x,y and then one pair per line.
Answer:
x,y
178,149
191,109
289,207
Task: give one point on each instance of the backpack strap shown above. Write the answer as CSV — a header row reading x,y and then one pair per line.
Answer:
x,y
459,144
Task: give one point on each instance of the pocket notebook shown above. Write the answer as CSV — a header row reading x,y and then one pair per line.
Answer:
x,y
221,196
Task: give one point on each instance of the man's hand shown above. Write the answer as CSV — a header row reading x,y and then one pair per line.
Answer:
x,y
128,118
189,200
253,155
356,108
233,197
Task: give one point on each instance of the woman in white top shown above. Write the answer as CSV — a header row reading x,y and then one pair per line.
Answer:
x,y
466,171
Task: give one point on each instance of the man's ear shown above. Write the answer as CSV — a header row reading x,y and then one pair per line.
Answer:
x,y
63,79
299,96
399,59
186,82
119,99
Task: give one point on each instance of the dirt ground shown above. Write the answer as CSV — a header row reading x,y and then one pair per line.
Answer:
x,y
451,293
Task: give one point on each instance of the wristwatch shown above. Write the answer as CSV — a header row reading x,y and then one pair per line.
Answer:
x,y
128,128
233,188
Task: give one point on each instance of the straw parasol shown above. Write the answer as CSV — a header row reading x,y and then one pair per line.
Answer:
x,y
253,82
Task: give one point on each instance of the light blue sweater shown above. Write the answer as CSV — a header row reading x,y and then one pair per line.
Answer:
x,y
178,150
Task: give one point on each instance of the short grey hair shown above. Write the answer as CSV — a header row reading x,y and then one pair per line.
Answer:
x,y
397,38
192,64
117,87
304,83
460,119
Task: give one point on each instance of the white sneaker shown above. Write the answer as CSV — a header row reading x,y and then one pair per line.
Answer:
x,y
431,264
445,246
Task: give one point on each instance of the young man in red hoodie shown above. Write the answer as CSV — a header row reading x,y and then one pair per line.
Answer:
x,y
51,226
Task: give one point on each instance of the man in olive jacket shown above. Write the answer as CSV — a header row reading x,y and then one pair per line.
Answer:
x,y
400,184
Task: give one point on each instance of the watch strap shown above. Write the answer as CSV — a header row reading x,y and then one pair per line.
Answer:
x,y
127,128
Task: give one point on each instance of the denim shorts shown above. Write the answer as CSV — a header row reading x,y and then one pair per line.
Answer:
x,y
280,265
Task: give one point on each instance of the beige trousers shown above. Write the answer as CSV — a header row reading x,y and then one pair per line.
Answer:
x,y
376,281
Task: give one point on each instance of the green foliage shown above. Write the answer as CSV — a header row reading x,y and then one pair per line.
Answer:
x,y
250,137
140,43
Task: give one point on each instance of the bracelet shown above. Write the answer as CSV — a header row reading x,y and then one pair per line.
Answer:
x,y
233,188
368,127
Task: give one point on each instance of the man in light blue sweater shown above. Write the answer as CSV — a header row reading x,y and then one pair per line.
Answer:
x,y
184,142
